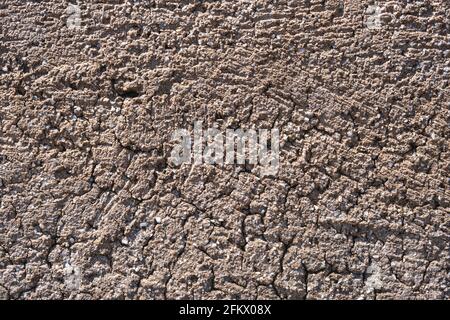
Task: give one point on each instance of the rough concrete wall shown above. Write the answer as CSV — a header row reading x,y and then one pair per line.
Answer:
x,y
91,208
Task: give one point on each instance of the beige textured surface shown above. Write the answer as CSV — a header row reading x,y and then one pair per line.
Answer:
x,y
90,207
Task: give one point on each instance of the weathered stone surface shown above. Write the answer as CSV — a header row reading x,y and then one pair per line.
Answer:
x,y
90,208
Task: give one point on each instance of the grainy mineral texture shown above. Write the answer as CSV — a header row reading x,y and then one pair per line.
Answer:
x,y
91,92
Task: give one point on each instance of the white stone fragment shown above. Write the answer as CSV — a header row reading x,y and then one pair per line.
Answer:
x,y
143,225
